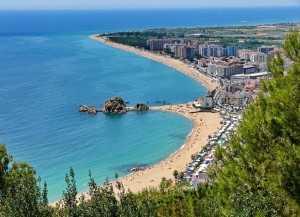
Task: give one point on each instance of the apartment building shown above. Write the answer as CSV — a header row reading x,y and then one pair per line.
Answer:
x,y
184,51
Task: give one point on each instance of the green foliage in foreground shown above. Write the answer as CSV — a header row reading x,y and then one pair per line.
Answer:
x,y
258,174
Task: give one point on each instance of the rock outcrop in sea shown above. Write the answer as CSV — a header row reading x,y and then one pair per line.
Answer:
x,y
141,107
114,105
88,109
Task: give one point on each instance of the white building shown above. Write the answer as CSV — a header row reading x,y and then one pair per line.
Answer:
x,y
258,57
171,47
224,70
211,50
244,54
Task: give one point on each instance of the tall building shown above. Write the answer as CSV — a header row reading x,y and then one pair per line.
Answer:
x,y
244,54
203,51
212,68
171,47
184,51
223,70
258,57
237,69
190,52
211,50
158,44
155,44
266,49
232,50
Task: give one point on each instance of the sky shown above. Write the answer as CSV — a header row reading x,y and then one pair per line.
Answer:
x,y
125,4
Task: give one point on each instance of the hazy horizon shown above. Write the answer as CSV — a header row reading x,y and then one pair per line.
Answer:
x,y
135,4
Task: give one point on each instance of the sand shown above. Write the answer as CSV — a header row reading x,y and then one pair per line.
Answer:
x,y
205,124
209,83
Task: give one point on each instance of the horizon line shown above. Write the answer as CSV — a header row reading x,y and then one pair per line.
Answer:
x,y
152,8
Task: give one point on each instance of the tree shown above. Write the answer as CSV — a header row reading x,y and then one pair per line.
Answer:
x,y
258,174
175,174
102,200
69,196
5,159
20,192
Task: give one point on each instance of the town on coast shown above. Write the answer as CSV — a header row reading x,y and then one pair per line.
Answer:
x,y
232,75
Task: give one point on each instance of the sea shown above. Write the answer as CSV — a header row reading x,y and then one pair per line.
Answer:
x,y
49,67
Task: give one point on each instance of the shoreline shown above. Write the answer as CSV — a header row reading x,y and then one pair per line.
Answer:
x,y
176,64
204,124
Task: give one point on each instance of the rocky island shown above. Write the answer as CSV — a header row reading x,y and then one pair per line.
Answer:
x,y
141,107
88,109
114,105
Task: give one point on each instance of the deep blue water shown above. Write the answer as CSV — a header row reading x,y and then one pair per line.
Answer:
x,y
70,21
49,66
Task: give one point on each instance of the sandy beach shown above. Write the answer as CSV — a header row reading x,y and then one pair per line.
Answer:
x,y
209,83
205,123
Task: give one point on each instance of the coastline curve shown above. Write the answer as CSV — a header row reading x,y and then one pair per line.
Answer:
x,y
204,124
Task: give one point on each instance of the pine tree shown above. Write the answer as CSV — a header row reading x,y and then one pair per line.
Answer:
x,y
20,192
69,196
259,172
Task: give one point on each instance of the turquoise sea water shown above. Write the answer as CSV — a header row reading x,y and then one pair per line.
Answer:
x,y
49,66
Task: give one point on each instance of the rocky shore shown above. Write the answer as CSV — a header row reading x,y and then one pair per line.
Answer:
x,y
114,105
88,109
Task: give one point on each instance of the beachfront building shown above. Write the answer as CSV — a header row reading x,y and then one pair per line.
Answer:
x,y
184,52
155,44
171,47
234,98
224,69
195,44
158,44
203,62
205,102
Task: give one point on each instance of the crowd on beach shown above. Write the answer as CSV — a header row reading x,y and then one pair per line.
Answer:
x,y
195,172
